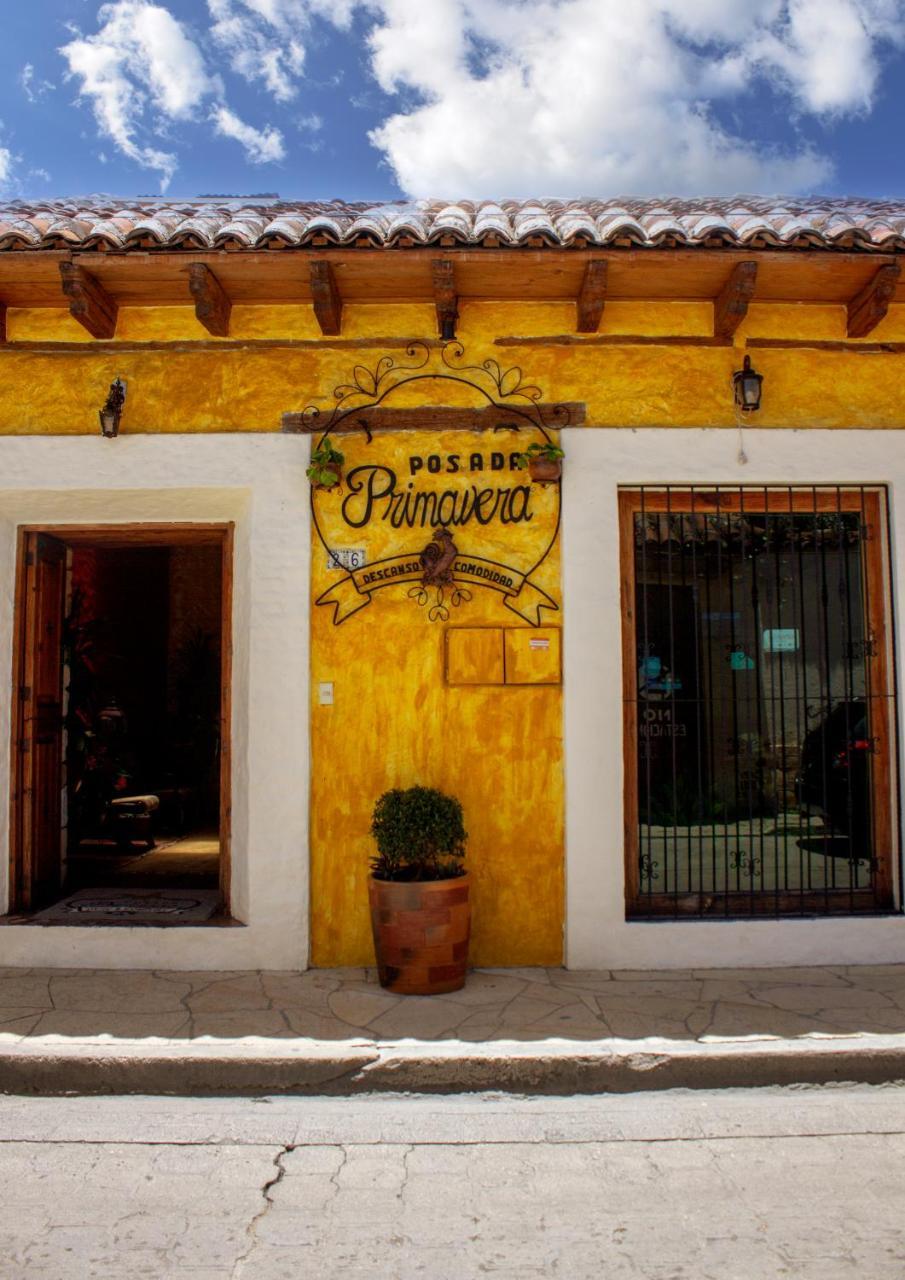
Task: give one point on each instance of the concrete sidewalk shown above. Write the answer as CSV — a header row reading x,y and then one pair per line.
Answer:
x,y
523,1030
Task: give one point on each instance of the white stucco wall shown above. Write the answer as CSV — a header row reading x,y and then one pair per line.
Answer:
x,y
259,483
598,462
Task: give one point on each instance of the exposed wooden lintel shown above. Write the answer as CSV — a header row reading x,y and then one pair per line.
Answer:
x,y
614,340
591,298
212,302
829,344
89,301
2,322
188,346
440,418
731,304
328,305
443,277
867,308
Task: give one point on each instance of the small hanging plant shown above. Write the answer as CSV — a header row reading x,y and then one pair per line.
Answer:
x,y
543,461
326,469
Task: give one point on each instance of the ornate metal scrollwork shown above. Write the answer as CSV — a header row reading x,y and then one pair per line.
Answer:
x,y
368,387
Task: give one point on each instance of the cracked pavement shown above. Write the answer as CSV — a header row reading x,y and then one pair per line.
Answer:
x,y
729,1185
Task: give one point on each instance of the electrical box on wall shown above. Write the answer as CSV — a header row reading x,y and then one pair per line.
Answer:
x,y
532,656
503,656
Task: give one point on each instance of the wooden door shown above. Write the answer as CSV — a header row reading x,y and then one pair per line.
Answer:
x,y
39,741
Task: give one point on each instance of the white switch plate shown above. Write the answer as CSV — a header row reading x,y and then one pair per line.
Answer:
x,y
325,693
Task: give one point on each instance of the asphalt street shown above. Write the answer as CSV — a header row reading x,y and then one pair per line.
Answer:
x,y
730,1185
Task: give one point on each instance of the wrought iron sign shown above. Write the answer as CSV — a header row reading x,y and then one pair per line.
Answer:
x,y
440,516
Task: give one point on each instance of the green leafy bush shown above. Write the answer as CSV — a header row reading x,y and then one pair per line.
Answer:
x,y
420,835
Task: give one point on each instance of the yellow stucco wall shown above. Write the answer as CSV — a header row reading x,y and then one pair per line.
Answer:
x,y
249,389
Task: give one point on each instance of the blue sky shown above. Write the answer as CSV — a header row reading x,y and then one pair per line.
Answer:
x,y
383,99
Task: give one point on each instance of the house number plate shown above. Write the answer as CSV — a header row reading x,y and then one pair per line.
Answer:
x,y
345,558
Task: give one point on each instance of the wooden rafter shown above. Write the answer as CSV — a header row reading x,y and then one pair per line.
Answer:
x,y
212,302
89,301
446,300
368,275
867,308
591,298
328,305
731,304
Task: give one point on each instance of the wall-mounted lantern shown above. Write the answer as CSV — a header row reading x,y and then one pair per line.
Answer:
x,y
112,411
747,384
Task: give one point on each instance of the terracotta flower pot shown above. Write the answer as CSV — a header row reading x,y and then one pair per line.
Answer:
x,y
421,930
545,470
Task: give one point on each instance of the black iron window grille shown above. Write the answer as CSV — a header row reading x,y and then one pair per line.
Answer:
x,y
759,701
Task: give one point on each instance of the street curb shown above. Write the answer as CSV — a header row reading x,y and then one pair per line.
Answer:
x,y
254,1066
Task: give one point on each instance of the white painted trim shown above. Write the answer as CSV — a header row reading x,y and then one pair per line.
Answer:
x,y
598,462
257,481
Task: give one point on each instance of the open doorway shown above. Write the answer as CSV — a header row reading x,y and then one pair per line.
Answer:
x,y
121,750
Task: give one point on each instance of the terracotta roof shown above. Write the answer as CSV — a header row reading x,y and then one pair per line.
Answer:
x,y
741,221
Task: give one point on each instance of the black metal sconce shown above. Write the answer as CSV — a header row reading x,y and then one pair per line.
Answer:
x,y
747,384
112,411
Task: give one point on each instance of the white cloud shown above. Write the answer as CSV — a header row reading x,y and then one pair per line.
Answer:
x,y
520,97
265,40
824,51
6,164
143,72
141,57
506,97
32,88
262,146
254,50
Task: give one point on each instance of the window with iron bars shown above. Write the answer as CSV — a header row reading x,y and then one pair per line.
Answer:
x,y
759,704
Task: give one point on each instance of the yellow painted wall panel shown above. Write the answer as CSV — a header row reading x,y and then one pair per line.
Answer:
x,y
474,655
396,722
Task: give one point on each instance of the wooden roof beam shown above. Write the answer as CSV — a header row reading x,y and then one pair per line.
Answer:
x,y
867,308
212,303
730,306
89,301
488,417
328,305
446,300
2,321
592,296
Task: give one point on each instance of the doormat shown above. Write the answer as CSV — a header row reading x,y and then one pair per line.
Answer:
x,y
132,907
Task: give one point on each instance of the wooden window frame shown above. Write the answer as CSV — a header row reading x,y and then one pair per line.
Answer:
x,y
142,534
871,501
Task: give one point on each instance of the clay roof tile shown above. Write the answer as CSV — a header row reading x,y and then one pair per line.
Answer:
x,y
103,223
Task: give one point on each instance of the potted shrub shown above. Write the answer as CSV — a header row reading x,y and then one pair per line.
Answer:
x,y
326,467
420,913
544,462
